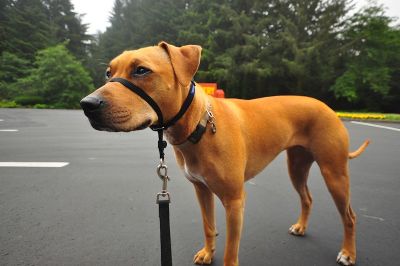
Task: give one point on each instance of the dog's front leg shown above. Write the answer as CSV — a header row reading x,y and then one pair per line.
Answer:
x,y
234,209
206,201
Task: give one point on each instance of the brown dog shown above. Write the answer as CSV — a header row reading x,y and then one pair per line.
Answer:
x,y
241,138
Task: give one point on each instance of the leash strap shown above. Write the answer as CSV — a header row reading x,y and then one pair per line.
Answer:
x,y
163,201
165,235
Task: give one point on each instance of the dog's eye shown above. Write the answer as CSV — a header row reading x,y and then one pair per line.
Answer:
x,y
108,74
141,71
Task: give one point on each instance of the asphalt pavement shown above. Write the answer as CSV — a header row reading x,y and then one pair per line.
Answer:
x,y
100,209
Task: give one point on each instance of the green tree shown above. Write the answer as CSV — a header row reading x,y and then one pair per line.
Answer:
x,y
303,45
58,79
257,48
137,23
134,24
67,26
231,36
12,68
26,28
370,78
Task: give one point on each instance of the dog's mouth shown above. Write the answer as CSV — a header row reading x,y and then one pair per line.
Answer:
x,y
100,126
144,125
118,127
117,120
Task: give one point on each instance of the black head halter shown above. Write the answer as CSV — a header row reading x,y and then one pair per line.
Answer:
x,y
160,126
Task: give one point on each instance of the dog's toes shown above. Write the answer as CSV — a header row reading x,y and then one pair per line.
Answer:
x,y
204,256
344,259
297,230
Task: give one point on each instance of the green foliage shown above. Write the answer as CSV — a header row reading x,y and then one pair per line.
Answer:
x,y
12,68
8,104
372,62
42,106
57,79
28,76
28,100
26,28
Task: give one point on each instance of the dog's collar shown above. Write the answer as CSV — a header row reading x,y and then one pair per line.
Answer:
x,y
197,134
154,105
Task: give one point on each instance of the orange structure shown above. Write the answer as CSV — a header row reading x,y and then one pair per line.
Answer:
x,y
212,89
219,93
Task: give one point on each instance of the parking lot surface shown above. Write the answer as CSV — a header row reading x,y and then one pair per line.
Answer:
x,y
99,207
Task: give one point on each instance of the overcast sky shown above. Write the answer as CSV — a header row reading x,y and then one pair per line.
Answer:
x,y
97,12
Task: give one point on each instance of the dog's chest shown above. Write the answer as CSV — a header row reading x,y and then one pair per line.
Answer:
x,y
193,177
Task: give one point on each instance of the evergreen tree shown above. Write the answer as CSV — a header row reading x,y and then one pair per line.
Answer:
x,y
66,25
12,68
254,47
134,24
371,74
26,28
302,45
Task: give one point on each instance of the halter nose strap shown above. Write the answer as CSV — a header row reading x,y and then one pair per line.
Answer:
x,y
143,95
154,105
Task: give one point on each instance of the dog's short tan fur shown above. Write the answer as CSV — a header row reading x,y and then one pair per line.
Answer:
x,y
250,134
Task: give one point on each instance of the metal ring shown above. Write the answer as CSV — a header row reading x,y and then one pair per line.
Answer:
x,y
160,168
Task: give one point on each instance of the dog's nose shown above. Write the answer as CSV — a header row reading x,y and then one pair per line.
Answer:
x,y
91,103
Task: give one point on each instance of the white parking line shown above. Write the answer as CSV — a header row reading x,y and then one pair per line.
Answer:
x,y
8,130
33,164
1,120
374,125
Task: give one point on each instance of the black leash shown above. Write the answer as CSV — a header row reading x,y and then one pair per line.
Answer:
x,y
163,197
163,201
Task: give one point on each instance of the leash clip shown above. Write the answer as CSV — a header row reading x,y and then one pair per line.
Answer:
x,y
162,172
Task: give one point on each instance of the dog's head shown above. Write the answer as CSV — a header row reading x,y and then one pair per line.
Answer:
x,y
163,72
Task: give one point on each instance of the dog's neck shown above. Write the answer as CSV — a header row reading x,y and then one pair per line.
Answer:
x,y
181,130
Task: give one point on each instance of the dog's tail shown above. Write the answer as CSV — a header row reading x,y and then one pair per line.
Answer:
x,y
360,150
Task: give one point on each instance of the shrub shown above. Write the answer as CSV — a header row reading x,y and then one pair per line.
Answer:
x,y
58,79
42,106
8,104
28,100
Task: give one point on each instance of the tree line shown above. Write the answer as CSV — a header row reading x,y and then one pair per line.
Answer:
x,y
251,48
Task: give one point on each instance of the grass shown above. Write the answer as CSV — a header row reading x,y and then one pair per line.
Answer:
x,y
369,116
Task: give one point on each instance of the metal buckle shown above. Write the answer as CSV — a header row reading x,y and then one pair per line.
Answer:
x,y
163,196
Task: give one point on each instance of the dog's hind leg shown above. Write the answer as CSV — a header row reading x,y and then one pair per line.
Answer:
x,y
299,162
337,180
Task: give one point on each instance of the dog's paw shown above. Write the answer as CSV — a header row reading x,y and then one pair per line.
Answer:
x,y
204,256
297,230
344,259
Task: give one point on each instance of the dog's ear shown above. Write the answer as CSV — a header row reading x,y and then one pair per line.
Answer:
x,y
185,60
